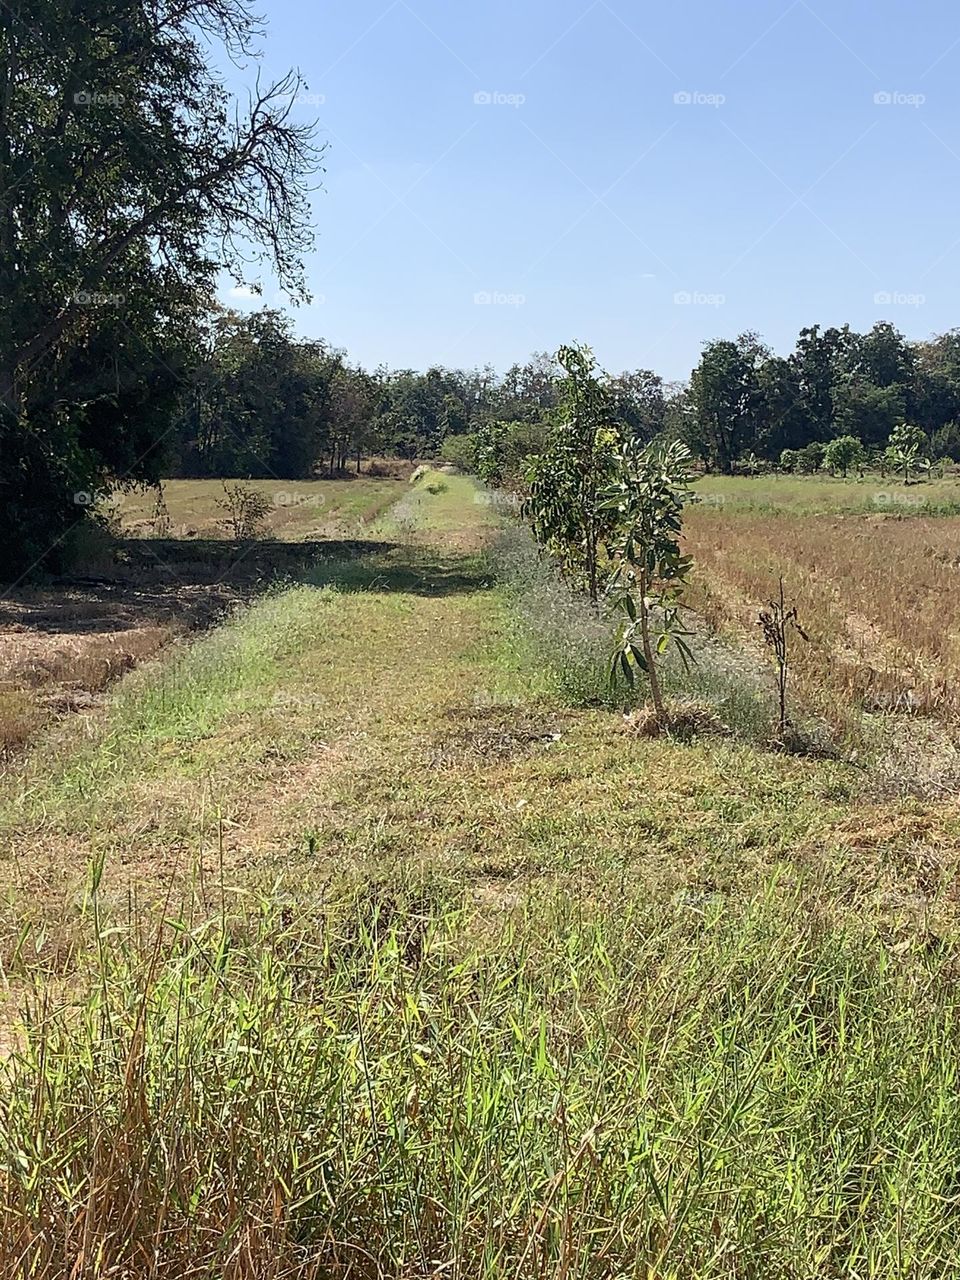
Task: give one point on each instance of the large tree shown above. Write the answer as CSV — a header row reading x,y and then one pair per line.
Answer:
x,y
128,180
726,394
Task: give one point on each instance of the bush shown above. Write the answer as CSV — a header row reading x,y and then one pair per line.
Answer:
x,y
810,458
459,452
246,511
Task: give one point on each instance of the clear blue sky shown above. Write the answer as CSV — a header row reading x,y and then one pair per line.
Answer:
x,y
584,197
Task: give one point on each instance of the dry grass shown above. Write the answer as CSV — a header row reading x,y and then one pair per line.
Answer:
x,y
683,718
43,675
878,595
299,509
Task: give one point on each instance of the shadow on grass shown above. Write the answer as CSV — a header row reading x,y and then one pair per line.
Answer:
x,y
410,570
191,582
201,560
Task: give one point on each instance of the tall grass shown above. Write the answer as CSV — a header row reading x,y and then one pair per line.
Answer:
x,y
558,636
609,1087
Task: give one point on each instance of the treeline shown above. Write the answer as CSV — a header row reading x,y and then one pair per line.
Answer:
x,y
743,400
266,403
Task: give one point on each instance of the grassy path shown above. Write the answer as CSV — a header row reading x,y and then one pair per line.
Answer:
x,y
457,980
384,716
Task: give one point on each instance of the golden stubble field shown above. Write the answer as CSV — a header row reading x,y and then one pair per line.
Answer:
x,y
877,594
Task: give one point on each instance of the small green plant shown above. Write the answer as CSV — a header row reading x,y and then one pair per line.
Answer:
x,y
906,449
777,623
245,509
647,501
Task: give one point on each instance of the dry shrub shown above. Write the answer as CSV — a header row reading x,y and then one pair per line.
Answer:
x,y
21,716
685,718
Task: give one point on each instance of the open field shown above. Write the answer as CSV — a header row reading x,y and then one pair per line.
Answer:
x,y
341,942
299,509
876,593
829,495
63,643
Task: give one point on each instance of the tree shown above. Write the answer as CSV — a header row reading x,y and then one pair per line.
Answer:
x,y
263,403
938,381
639,404
128,181
504,451
908,443
945,442
810,457
867,411
647,500
726,396
567,482
783,421
843,453
819,360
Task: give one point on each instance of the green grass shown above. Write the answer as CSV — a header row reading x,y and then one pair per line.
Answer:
x,y
599,1086
820,495
299,508
396,960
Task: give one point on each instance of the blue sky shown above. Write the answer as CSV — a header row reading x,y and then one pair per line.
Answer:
x,y
641,177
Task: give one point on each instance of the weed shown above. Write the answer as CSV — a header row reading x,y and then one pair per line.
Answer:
x,y
245,511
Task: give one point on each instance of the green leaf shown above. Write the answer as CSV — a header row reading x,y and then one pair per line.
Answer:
x,y
639,657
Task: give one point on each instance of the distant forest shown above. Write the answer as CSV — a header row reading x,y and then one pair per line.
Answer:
x,y
265,403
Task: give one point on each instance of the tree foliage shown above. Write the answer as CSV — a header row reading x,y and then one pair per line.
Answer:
x,y
843,453
568,480
648,566
128,179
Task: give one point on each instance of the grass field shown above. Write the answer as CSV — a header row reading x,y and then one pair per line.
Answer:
x,y
299,509
829,495
877,593
345,942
